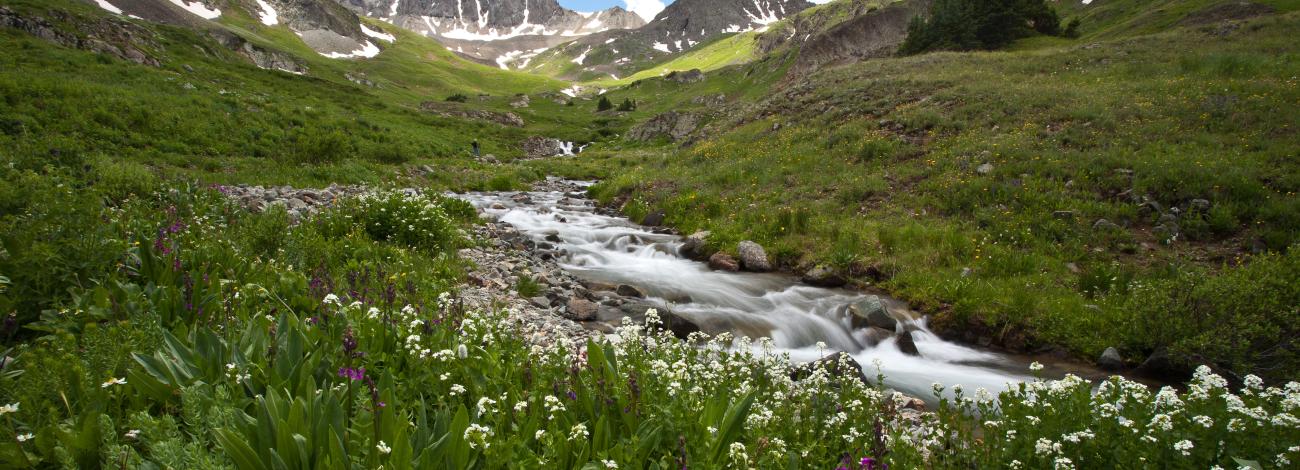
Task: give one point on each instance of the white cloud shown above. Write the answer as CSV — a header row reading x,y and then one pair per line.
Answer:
x,y
646,9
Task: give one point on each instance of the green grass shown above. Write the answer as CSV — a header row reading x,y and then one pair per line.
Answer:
x,y
730,50
873,169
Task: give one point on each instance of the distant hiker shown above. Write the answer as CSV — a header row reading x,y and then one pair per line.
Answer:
x,y
475,146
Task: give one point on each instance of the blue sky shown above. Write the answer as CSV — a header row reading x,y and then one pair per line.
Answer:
x,y
646,8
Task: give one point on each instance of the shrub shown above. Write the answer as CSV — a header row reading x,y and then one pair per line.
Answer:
x,y
627,105
458,97
978,24
604,104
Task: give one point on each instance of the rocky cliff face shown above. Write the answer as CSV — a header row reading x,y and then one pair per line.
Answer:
x,y
495,29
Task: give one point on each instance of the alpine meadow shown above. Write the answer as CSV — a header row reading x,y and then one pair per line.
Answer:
x,y
706,234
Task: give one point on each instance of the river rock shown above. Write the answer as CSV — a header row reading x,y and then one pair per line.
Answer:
x,y
822,276
1111,360
753,257
839,364
871,312
629,291
695,246
581,309
907,345
723,262
877,334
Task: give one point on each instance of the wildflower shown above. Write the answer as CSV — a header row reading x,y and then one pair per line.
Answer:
x,y
25,437
112,381
1035,366
10,408
579,431
457,389
352,374
1184,446
331,299
609,463
1063,464
462,351
383,448
538,435
132,434
737,452
1204,421
373,313
477,435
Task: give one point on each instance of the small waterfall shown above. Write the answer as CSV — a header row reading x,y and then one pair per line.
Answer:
x,y
796,316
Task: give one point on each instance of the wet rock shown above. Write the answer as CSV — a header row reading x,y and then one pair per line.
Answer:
x,y
723,262
695,246
871,312
877,334
906,344
839,364
822,276
540,147
1111,360
629,291
581,309
753,257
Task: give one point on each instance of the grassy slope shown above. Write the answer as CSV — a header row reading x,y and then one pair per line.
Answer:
x,y
730,50
1192,114
243,124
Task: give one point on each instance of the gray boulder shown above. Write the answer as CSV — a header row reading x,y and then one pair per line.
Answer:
x,y
1111,360
581,309
823,276
871,312
695,245
753,257
629,291
838,364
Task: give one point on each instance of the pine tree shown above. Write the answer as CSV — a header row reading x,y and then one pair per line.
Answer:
x,y
604,104
978,24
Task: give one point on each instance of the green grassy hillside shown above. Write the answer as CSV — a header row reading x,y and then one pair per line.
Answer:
x,y
973,184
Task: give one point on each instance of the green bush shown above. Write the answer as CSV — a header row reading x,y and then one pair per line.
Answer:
x,y
978,24
458,98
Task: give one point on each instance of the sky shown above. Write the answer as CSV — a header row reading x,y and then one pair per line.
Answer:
x,y
645,8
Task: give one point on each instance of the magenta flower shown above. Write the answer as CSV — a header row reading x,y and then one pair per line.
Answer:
x,y
352,374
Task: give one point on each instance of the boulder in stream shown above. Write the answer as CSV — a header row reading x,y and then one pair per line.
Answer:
x,y
753,257
629,291
871,312
907,345
723,262
695,246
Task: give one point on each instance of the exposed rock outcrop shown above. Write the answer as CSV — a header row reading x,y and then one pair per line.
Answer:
x,y
672,125
110,36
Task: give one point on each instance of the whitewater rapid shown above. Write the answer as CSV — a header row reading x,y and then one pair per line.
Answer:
x,y
805,321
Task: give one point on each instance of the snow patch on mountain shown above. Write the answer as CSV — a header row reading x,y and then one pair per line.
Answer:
x,y
380,35
108,6
367,50
646,9
198,8
267,14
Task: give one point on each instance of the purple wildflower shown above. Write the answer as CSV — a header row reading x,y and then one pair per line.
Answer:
x,y
352,374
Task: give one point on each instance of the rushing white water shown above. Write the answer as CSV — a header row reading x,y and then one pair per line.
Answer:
x,y
796,316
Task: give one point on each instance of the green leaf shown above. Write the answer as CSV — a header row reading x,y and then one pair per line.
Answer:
x,y
237,448
732,424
